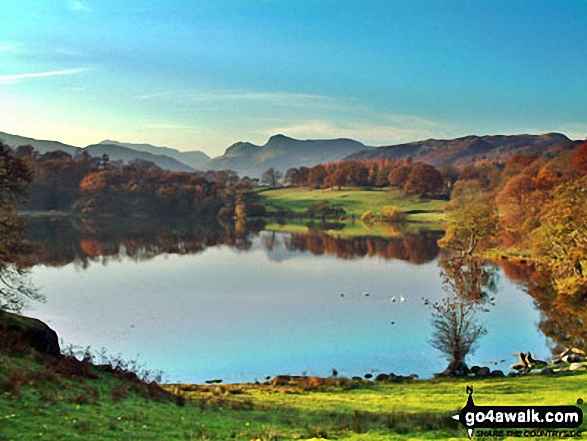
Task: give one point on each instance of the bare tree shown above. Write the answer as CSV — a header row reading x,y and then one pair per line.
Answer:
x,y
468,284
271,177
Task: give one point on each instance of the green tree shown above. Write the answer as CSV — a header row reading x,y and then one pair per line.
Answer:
x,y
471,216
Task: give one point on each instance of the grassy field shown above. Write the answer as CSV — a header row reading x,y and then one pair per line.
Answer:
x,y
39,400
354,201
356,228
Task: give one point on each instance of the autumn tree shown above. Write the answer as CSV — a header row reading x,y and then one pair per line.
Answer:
x,y
316,176
424,180
561,240
399,175
580,160
471,217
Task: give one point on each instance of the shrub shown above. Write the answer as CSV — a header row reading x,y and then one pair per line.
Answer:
x,y
368,217
391,213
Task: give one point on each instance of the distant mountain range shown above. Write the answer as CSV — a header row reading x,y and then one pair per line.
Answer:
x,y
471,148
282,152
195,158
116,151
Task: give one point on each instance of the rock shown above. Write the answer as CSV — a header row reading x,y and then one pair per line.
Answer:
x,y
513,374
474,369
534,363
382,377
547,371
18,333
455,369
497,373
565,353
575,366
357,379
573,358
483,372
368,376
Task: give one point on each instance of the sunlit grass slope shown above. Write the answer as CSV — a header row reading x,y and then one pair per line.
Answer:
x,y
354,201
38,401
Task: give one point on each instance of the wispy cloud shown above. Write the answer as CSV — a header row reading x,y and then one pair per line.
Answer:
x,y
284,99
8,79
5,48
277,97
78,6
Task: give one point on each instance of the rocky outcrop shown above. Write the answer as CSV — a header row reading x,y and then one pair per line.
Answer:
x,y
20,333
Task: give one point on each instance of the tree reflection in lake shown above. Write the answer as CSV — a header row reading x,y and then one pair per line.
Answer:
x,y
15,287
82,240
415,248
563,316
468,284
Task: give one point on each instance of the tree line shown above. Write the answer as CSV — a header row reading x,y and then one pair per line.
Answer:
x,y
413,178
95,185
535,206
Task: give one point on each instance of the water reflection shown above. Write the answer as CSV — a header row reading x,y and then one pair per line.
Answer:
x,y
563,317
16,289
83,240
468,284
191,302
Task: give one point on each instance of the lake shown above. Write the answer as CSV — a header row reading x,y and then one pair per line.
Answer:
x,y
202,302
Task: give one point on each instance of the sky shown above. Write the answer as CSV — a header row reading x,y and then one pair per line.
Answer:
x,y
202,75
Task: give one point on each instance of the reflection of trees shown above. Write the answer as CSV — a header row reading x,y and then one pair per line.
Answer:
x,y
468,284
82,240
563,316
413,247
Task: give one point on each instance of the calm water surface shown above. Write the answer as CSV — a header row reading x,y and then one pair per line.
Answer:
x,y
271,308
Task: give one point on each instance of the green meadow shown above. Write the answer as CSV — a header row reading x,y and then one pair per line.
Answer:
x,y
44,399
354,201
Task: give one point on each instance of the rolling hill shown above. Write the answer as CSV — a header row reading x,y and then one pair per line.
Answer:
x,y
116,152
194,159
471,148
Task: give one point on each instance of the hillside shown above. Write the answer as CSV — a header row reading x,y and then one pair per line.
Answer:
x,y
51,396
471,148
117,152
41,146
281,153
195,158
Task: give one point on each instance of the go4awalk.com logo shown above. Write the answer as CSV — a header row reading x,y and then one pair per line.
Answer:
x,y
520,421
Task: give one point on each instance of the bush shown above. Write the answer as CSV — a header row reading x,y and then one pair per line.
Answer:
x,y
368,217
391,213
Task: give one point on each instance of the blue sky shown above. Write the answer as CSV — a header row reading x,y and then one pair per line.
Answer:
x,y
205,74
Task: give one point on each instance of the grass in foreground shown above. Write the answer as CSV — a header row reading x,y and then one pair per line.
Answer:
x,y
39,400
354,201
